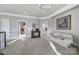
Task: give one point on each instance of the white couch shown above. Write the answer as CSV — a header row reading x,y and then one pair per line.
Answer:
x,y
61,38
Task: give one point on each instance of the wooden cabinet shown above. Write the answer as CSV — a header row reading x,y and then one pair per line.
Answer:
x,y
35,34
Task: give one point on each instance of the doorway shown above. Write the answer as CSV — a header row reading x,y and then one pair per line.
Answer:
x,y
21,28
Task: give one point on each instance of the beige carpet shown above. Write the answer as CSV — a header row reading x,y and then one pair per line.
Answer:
x,y
29,46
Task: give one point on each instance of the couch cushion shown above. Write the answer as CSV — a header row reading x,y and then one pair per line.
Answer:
x,y
60,37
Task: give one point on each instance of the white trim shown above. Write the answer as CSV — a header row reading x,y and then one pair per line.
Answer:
x,y
17,15
65,8
16,39
54,48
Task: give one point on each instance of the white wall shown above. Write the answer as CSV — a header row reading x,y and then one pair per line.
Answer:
x,y
74,23
29,25
0,24
10,25
13,28
5,26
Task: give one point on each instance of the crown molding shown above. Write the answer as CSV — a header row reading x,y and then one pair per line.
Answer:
x,y
65,8
17,15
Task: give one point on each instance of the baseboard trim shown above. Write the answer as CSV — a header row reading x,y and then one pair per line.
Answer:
x,y
54,48
16,39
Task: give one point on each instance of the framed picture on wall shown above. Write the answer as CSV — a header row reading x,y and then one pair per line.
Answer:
x,y
64,23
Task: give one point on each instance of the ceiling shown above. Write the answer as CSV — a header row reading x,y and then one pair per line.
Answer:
x,y
31,9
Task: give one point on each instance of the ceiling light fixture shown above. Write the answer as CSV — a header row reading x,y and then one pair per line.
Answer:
x,y
43,6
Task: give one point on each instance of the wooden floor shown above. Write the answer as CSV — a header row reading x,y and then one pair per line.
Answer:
x,y
29,47
37,46
9,40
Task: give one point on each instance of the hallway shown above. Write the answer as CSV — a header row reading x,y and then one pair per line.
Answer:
x,y
36,46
